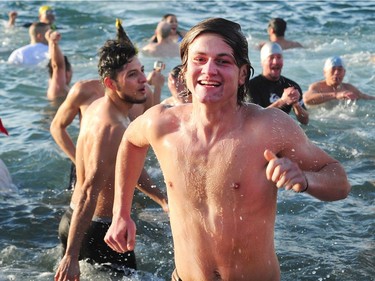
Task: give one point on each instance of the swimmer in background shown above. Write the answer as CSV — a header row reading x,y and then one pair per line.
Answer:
x,y
271,89
59,68
165,46
46,15
177,88
332,89
176,34
276,32
36,51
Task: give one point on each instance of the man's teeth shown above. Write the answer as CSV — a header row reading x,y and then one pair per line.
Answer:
x,y
210,83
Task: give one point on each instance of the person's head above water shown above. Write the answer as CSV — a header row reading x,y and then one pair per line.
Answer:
x,y
268,49
334,61
232,35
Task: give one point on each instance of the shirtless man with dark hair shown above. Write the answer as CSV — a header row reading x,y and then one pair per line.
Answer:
x,y
84,224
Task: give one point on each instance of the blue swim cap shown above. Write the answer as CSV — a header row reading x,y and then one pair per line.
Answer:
x,y
334,61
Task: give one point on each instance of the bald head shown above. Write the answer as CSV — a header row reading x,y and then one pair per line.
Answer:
x,y
37,32
163,29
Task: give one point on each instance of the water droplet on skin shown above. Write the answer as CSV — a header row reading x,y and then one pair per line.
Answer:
x,y
235,185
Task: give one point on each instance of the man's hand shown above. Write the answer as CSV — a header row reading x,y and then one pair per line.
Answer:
x,y
291,95
120,236
156,78
284,173
347,95
53,36
68,270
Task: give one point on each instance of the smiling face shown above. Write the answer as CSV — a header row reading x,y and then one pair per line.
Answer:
x,y
172,20
212,74
272,66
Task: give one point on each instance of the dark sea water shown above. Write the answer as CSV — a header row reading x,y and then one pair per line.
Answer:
x,y
314,240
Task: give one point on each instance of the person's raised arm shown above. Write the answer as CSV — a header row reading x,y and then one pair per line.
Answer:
x,y
157,80
12,18
57,85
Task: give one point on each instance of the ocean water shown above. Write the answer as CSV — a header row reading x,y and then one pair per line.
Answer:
x,y
314,240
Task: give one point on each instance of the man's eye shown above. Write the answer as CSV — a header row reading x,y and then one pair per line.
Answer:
x,y
199,59
222,61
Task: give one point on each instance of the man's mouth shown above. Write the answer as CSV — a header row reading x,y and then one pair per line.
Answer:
x,y
209,83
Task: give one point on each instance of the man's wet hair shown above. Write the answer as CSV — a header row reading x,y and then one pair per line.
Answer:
x,y
232,35
115,54
68,66
278,25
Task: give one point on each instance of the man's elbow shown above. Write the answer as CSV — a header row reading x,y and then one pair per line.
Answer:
x,y
344,191
341,192
55,128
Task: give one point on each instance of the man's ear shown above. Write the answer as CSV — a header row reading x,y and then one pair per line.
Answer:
x,y
243,74
109,83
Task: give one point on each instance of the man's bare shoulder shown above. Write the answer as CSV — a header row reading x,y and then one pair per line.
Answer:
x,y
102,116
166,111
162,117
149,48
259,117
85,91
318,86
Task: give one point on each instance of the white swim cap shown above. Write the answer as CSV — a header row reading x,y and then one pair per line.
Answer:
x,y
270,48
335,61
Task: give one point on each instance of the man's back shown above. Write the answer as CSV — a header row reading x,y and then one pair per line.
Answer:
x,y
166,48
31,54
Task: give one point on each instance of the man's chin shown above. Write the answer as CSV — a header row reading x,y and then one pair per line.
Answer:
x,y
134,100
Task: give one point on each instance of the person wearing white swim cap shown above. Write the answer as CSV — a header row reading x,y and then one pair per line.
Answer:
x,y
271,89
332,88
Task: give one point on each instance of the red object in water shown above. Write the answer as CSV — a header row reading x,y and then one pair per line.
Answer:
x,y
2,129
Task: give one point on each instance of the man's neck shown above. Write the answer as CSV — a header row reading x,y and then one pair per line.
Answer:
x,y
335,86
212,122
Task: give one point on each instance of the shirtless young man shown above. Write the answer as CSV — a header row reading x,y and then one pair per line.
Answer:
x,y
332,89
82,94
223,162
85,223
